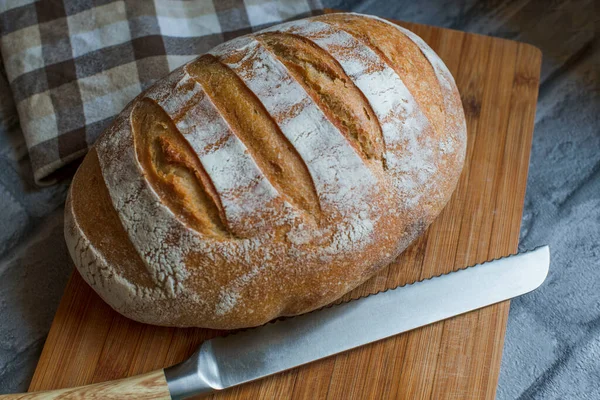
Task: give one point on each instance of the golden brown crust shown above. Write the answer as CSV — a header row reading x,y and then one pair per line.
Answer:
x,y
100,223
273,153
403,55
268,177
175,171
327,83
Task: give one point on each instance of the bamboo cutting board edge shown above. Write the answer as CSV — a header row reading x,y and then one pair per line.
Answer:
x,y
498,80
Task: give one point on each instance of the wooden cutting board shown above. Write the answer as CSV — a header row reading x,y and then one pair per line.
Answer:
x,y
458,358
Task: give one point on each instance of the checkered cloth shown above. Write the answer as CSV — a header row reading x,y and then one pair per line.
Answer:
x,y
73,65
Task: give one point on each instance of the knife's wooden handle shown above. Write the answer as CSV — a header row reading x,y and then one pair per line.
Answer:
x,y
152,385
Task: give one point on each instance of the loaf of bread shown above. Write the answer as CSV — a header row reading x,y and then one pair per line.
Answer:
x,y
269,176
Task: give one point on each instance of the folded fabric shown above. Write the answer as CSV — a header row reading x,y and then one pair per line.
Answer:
x,y
73,65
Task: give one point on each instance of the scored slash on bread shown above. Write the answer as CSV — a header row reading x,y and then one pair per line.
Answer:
x,y
269,176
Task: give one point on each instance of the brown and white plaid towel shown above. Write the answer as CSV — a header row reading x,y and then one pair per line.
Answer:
x,y
73,65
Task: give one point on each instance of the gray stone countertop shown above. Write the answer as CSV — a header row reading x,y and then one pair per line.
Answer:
x,y
552,346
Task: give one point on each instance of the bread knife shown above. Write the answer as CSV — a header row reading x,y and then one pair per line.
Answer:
x,y
255,353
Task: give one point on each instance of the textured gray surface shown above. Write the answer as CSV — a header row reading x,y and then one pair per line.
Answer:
x,y
552,347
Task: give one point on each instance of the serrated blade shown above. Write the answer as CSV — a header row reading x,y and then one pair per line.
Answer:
x,y
256,353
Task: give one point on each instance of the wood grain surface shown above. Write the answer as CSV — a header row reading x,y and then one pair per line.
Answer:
x,y
148,386
455,359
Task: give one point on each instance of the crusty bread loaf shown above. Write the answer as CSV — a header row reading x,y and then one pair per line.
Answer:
x,y
269,176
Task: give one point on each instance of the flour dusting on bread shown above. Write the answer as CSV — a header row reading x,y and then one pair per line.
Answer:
x,y
402,121
246,193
